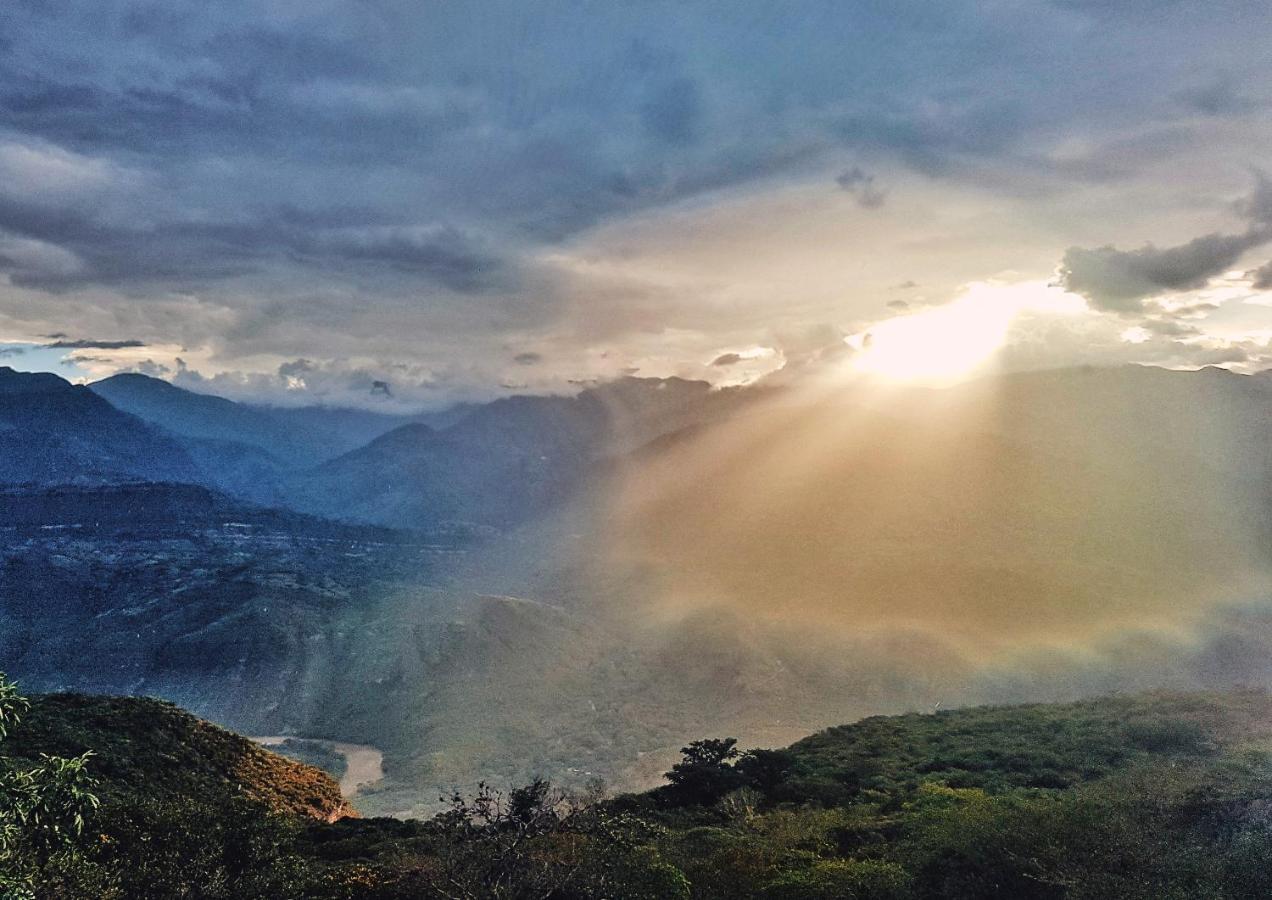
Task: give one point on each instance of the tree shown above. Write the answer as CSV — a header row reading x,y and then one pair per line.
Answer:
x,y
705,773
765,770
539,842
43,807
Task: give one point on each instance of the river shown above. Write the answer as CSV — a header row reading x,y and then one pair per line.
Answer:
x,y
364,764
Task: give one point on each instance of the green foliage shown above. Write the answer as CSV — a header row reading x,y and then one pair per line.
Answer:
x,y
43,807
765,770
1148,797
12,706
146,747
161,848
1039,746
542,842
840,879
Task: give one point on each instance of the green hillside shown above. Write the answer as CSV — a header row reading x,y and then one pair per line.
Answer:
x,y
151,748
1149,796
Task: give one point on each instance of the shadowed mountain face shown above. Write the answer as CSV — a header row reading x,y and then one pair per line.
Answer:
x,y
53,432
587,583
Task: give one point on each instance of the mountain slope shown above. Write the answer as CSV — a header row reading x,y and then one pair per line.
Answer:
x,y
240,613
293,438
1050,505
189,414
54,432
507,461
149,748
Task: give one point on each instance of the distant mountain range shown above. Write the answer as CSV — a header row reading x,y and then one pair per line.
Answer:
x,y
489,465
294,438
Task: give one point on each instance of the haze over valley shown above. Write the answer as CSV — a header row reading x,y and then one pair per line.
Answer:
x,y
577,586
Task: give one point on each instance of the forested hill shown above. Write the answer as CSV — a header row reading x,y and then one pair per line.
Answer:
x,y
1149,796
144,748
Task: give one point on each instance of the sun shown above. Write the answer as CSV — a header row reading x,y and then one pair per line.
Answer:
x,y
944,344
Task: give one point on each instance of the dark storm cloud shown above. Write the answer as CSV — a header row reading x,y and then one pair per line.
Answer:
x,y
1263,276
268,162
114,253
462,134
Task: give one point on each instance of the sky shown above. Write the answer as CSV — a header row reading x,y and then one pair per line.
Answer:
x,y
295,202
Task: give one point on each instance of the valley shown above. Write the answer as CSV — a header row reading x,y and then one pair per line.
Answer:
x,y
575,587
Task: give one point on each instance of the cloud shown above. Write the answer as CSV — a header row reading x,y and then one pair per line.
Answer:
x,y
331,382
1192,310
1120,280
296,368
1262,276
443,253
92,344
384,182
1168,327
151,368
11,351
862,186
1258,205
528,359
727,359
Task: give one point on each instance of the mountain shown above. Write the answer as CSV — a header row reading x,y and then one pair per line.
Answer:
x,y
54,432
148,748
242,613
331,431
503,462
165,806
286,438
189,414
1045,506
